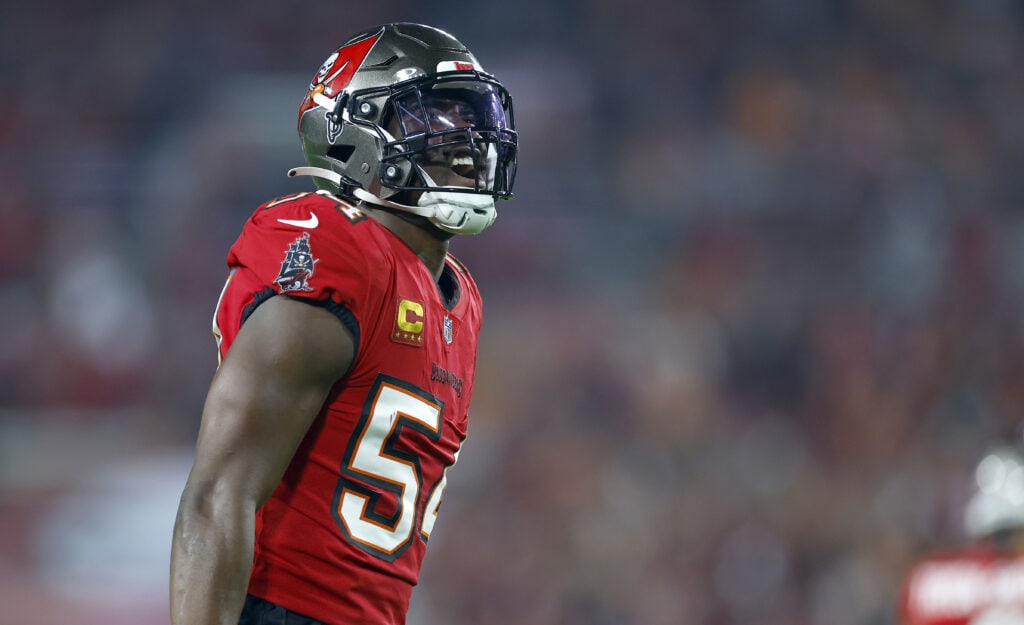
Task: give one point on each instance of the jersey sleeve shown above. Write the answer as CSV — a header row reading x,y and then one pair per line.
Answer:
x,y
307,247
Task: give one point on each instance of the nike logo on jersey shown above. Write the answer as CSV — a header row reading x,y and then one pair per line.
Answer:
x,y
310,223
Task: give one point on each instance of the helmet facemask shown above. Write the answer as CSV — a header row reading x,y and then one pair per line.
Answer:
x,y
452,134
448,146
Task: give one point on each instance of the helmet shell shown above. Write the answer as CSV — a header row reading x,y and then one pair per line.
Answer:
x,y
347,132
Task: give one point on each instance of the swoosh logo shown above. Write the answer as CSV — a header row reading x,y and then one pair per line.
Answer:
x,y
310,223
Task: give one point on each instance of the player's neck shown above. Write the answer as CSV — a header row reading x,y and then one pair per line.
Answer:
x,y
431,247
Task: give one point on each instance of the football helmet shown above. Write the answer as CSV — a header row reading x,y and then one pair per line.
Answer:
x,y
997,504
407,108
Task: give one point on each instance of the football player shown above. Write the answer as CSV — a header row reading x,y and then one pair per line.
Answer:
x,y
982,584
347,338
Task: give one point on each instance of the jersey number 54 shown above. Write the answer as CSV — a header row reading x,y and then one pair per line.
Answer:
x,y
375,463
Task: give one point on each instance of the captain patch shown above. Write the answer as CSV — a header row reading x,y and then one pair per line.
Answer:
x,y
409,322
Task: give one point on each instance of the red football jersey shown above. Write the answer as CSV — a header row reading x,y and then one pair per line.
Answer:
x,y
976,587
343,536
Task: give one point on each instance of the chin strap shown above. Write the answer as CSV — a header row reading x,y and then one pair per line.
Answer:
x,y
458,213
316,172
358,192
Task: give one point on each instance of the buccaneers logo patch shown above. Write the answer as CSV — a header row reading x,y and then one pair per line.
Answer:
x,y
297,266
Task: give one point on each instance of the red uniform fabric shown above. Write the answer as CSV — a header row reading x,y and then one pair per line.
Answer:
x,y
973,587
343,536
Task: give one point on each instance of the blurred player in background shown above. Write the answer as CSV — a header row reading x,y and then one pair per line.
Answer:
x,y
347,336
984,583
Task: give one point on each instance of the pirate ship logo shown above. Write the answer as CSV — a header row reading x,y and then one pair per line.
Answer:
x,y
297,266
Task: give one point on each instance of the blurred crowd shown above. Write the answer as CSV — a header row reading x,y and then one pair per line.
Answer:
x,y
751,319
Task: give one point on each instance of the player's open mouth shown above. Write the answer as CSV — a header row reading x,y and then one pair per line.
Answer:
x,y
463,166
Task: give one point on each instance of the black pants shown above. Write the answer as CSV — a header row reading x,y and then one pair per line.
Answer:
x,y
261,612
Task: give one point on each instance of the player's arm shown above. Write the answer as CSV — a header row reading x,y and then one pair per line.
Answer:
x,y
263,399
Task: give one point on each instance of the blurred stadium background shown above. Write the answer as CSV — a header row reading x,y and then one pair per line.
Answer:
x,y
751,320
